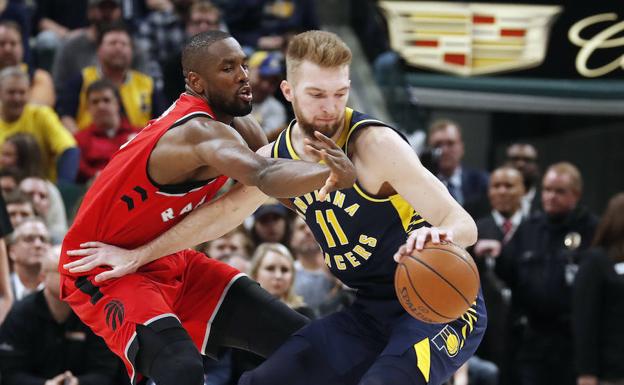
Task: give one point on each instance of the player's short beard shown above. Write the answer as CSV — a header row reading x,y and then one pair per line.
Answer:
x,y
232,108
309,128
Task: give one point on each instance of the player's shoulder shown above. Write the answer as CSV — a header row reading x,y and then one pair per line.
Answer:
x,y
201,128
375,137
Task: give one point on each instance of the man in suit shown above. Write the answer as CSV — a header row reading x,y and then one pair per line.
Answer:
x,y
467,186
524,157
505,192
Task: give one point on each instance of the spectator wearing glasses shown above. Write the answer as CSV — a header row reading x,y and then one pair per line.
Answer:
x,y
524,157
29,245
43,342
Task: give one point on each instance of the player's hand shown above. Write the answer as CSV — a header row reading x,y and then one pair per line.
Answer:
x,y
487,248
418,237
587,380
342,171
121,261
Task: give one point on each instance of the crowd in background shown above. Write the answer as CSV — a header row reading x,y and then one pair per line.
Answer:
x,y
78,78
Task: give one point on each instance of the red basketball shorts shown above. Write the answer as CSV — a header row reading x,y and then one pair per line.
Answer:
x,y
185,287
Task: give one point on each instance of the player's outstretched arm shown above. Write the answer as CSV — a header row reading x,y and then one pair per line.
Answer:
x,y
197,227
391,158
218,145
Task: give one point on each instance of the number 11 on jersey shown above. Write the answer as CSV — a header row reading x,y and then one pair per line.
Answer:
x,y
333,221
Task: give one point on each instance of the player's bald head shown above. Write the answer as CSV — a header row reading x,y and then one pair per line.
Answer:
x,y
194,52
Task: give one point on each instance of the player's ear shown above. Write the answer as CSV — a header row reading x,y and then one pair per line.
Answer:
x,y
195,82
286,90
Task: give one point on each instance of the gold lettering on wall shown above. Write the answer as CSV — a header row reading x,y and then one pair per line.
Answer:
x,y
599,41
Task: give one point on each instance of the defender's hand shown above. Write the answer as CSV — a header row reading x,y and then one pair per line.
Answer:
x,y
342,173
417,239
121,261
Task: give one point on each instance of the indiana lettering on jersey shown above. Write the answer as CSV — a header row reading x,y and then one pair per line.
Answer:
x,y
170,213
327,221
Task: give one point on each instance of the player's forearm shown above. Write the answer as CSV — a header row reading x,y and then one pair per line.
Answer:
x,y
463,226
206,223
290,178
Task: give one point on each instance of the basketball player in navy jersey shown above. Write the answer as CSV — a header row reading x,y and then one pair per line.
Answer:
x,y
394,206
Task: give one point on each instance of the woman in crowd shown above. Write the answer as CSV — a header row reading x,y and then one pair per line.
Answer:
x,y
273,267
598,307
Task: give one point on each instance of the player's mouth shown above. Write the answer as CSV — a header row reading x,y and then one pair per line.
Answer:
x,y
245,94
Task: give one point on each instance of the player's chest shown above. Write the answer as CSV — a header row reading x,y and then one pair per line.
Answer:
x,y
347,226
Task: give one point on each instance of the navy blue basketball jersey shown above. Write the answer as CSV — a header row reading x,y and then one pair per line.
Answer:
x,y
358,232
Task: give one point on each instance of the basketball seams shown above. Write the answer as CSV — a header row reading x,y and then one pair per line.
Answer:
x,y
441,277
460,256
409,279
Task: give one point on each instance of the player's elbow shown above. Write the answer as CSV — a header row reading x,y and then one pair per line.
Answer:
x,y
470,232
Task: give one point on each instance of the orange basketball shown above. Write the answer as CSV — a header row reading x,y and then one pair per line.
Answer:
x,y
437,284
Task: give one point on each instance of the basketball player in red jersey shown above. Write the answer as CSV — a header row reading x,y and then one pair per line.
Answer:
x,y
161,316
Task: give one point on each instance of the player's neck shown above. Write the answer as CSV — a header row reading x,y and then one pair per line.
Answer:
x,y
218,115
297,136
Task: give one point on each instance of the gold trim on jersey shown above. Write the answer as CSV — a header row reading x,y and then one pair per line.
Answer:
x,y
404,209
368,197
423,357
277,144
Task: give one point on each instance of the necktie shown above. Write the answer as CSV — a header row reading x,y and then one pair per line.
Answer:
x,y
507,226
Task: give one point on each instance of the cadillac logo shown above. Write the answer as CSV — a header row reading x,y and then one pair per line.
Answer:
x,y
469,38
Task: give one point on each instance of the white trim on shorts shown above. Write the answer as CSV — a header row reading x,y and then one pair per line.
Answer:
x,y
134,336
216,310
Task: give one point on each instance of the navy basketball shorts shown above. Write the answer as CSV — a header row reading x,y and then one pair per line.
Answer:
x,y
373,342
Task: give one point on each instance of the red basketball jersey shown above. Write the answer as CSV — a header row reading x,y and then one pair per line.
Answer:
x,y
124,207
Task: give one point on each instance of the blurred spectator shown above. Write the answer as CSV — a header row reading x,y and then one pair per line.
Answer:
x,y
108,131
42,341
266,71
270,224
48,205
598,306
236,242
523,156
160,34
505,193
139,97
273,267
29,244
19,13
9,177
467,186
539,266
58,148
79,51
267,24
6,294
55,21
19,208
22,151
12,54
313,283
203,16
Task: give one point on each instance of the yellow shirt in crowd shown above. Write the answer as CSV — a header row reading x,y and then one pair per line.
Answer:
x,y
44,124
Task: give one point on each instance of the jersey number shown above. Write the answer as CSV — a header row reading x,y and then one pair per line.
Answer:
x,y
333,221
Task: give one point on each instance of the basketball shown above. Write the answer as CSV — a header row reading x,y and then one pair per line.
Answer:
x,y
437,284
